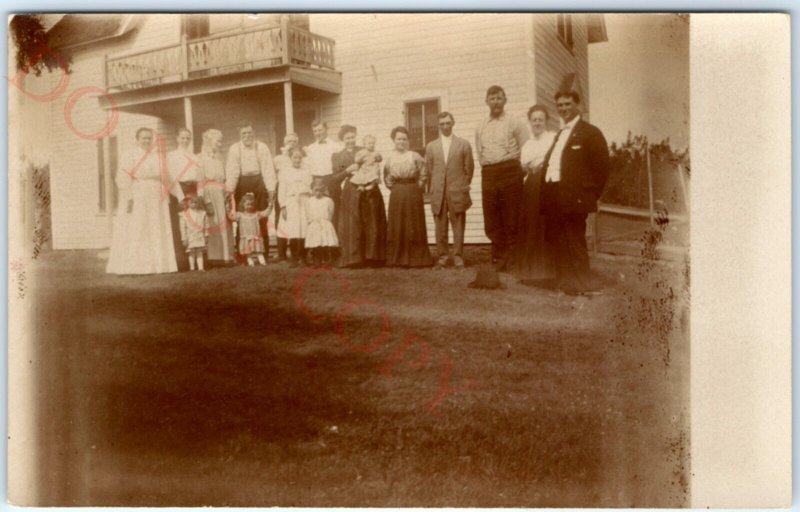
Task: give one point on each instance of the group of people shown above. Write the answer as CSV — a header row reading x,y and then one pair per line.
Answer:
x,y
537,189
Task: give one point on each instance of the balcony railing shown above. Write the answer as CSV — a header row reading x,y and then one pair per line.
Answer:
x,y
220,55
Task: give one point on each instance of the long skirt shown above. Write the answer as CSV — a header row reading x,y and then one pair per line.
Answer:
x,y
220,228
142,242
533,259
189,189
361,226
408,236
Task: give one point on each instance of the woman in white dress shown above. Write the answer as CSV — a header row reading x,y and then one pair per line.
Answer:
x,y
212,188
142,239
534,262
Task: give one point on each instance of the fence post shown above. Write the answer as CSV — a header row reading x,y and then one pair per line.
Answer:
x,y
650,182
682,179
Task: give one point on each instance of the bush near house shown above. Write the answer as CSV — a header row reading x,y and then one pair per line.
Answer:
x,y
627,183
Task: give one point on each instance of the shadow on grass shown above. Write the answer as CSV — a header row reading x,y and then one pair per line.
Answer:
x,y
215,390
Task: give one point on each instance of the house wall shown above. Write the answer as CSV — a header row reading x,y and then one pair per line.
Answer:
x,y
553,60
387,59
77,222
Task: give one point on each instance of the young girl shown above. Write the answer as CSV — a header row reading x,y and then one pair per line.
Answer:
x,y
251,243
194,232
368,162
320,235
293,192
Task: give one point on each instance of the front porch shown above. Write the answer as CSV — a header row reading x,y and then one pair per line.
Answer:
x,y
258,64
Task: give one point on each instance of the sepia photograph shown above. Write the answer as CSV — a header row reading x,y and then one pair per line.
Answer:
x,y
350,259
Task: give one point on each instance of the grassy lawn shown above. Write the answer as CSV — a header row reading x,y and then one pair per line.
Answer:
x,y
380,387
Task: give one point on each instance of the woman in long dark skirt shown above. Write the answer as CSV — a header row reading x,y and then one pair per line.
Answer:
x,y
182,169
405,175
361,219
534,261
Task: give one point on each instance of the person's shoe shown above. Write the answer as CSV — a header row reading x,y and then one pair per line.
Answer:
x,y
458,262
441,263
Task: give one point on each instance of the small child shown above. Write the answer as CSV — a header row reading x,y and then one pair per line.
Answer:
x,y
251,243
320,235
293,191
368,162
194,232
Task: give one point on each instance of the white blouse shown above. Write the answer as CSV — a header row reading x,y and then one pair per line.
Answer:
x,y
534,151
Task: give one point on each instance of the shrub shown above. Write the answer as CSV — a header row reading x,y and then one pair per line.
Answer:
x,y
627,182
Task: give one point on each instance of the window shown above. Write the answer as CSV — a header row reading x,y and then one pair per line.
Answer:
x,y
564,25
196,26
422,123
423,127
101,169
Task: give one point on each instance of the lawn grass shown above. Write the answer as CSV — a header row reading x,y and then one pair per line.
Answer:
x,y
218,388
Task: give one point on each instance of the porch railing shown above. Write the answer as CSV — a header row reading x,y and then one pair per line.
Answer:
x,y
220,55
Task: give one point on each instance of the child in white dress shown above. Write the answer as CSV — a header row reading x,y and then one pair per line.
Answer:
x,y
294,188
194,232
251,243
369,168
321,236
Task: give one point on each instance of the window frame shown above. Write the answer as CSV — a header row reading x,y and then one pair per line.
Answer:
x,y
112,143
565,31
439,109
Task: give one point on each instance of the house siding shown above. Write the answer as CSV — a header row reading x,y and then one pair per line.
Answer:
x,y
553,60
77,221
387,59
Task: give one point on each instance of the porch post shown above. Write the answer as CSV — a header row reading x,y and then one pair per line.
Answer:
x,y
109,185
187,117
287,105
187,101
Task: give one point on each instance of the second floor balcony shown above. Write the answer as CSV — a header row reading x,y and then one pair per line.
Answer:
x,y
217,55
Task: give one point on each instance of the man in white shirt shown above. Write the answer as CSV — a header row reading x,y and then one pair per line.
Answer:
x,y
250,169
498,140
319,153
575,173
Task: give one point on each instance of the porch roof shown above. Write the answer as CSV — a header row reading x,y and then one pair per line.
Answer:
x,y
320,79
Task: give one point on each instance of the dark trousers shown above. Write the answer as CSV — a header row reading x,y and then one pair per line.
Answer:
x,y
297,246
458,221
282,243
501,185
565,235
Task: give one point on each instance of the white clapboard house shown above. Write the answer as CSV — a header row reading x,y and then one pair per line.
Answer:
x,y
374,71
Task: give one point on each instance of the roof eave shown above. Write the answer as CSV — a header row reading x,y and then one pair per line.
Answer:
x,y
129,22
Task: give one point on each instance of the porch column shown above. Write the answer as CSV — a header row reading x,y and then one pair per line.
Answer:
x,y
287,105
108,182
187,117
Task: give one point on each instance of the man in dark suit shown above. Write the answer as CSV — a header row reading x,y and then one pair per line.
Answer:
x,y
575,170
450,167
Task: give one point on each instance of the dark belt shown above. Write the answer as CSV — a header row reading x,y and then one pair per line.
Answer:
x,y
405,180
514,162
